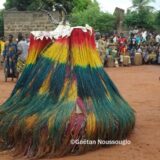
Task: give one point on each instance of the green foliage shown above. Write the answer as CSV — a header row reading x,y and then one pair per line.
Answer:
x,y
142,15
69,5
81,17
23,5
143,18
157,19
18,4
105,22
142,4
1,23
92,15
80,5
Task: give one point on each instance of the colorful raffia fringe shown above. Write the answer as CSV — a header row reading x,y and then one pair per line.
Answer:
x,y
63,94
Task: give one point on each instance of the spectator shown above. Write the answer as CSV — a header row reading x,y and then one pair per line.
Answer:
x,y
122,47
97,37
102,45
10,56
138,39
158,38
144,36
115,39
22,52
132,42
122,41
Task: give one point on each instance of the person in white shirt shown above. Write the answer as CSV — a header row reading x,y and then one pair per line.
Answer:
x,y
22,48
115,39
158,38
144,36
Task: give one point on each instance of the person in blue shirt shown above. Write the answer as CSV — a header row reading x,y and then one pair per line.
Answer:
x,y
10,56
138,39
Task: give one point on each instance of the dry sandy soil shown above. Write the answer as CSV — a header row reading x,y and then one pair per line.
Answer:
x,y
140,86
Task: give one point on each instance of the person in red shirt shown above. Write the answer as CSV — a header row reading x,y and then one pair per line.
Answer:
x,y
122,42
122,47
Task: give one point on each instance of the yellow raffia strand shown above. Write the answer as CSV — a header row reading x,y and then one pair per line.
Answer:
x,y
30,121
51,121
45,86
106,89
84,55
57,52
32,56
91,124
72,92
66,83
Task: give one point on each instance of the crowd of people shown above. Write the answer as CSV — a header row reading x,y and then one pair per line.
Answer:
x,y
13,54
139,47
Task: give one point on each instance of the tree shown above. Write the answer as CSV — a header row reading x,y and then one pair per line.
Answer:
x,y
142,19
141,16
69,5
157,19
1,23
23,5
142,4
105,22
80,5
100,21
18,4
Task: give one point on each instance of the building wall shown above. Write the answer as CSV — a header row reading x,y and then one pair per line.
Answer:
x,y
27,21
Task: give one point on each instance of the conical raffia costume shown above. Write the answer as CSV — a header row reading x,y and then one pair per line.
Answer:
x,y
63,94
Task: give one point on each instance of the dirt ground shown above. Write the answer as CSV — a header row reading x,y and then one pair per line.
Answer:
x,y
140,86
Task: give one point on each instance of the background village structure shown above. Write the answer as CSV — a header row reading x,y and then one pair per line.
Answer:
x,y
27,21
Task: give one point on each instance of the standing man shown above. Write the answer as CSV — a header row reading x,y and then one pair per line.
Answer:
x,y
144,36
102,46
10,57
157,38
22,47
122,43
